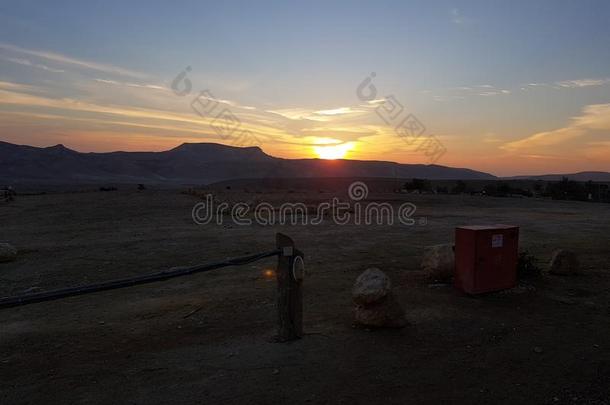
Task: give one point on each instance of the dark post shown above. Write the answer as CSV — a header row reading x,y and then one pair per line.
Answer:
x,y
290,273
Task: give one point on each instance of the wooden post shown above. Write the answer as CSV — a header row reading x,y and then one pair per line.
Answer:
x,y
290,273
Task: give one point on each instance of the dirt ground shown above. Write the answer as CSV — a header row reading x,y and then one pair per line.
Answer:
x,y
207,338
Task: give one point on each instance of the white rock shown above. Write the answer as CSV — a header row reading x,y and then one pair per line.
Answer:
x,y
7,253
439,261
386,313
374,302
371,286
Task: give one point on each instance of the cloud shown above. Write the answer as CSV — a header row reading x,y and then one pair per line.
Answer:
x,y
594,117
206,95
66,60
461,92
456,17
15,86
293,113
583,83
337,111
126,84
605,144
28,108
26,62
568,84
123,107
315,115
491,138
447,98
488,90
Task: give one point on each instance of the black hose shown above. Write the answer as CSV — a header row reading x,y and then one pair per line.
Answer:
x,y
8,302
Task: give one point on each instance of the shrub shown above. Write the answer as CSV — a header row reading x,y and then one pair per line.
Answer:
x,y
527,266
420,185
460,187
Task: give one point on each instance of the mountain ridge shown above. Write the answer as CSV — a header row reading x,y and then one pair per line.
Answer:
x,y
593,175
199,163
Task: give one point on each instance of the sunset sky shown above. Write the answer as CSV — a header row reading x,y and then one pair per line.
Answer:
x,y
507,87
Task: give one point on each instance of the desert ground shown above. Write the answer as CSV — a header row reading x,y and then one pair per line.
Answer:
x,y
208,338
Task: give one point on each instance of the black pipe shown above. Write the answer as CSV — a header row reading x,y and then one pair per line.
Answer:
x,y
8,302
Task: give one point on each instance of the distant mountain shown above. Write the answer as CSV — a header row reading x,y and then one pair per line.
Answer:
x,y
580,176
198,163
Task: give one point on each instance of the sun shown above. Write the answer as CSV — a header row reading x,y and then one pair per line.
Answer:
x,y
333,151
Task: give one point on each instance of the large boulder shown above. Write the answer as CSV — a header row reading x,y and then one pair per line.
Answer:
x,y
371,286
386,313
564,262
439,262
374,302
7,252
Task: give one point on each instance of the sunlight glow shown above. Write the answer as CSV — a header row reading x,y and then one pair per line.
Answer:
x,y
333,151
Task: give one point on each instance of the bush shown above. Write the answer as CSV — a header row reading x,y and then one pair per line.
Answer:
x,y
460,187
527,266
420,185
566,189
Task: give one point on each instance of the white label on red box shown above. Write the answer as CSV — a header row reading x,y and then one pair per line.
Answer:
x,y
497,241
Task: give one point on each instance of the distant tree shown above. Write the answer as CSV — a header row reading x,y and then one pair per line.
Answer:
x,y
490,189
591,190
503,189
526,192
603,192
566,189
460,187
417,184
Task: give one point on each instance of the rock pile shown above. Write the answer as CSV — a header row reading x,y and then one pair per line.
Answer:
x,y
374,302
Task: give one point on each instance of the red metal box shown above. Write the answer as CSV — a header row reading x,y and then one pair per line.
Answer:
x,y
486,257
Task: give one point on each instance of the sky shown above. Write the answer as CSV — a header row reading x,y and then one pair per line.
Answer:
x,y
506,87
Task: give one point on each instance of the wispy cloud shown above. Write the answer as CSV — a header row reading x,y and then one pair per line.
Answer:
x,y
67,60
337,111
583,83
28,102
26,62
488,90
30,106
15,86
296,114
491,138
594,117
447,98
458,18
127,84
462,92
568,84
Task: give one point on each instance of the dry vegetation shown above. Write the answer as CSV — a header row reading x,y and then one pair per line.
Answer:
x,y
207,338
